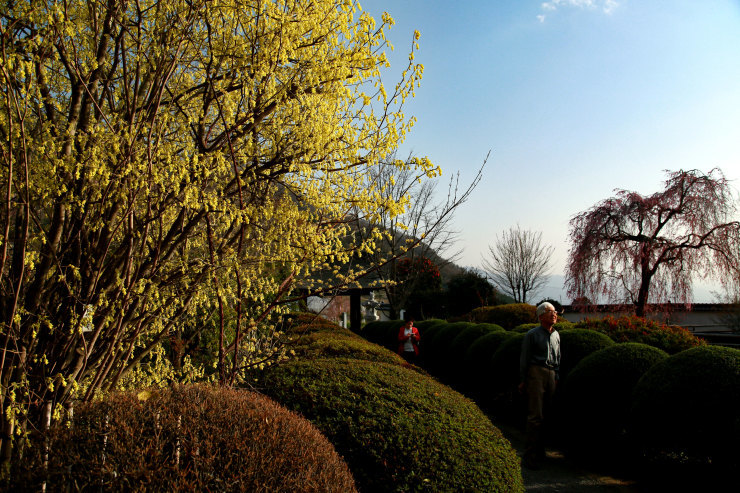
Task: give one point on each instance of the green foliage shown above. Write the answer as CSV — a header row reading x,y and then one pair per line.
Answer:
x,y
507,316
576,344
458,349
597,397
390,339
397,430
425,324
478,366
524,328
685,410
305,321
374,331
670,338
338,344
559,326
437,356
384,333
467,291
192,438
505,399
505,363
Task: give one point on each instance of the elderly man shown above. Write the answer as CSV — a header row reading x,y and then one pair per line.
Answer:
x,y
538,367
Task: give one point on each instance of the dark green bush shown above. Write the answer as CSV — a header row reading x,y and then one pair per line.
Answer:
x,y
437,349
505,399
425,324
305,321
391,334
576,344
505,362
491,327
685,411
372,331
670,338
507,316
597,399
458,350
342,345
195,438
524,328
478,366
397,430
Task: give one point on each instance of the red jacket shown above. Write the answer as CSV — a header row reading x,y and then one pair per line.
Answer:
x,y
402,338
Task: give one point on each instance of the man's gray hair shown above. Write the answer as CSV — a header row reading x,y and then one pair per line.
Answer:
x,y
542,308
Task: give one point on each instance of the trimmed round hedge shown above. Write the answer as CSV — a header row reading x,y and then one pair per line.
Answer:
x,y
392,327
576,344
505,362
670,338
337,344
597,399
397,430
189,438
478,367
685,409
562,325
505,399
374,331
425,324
437,348
459,349
507,316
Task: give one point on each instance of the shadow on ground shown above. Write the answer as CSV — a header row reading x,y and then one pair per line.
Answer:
x,y
560,474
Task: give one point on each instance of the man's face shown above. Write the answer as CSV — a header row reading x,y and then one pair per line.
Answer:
x,y
550,317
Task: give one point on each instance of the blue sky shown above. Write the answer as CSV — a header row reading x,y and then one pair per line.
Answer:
x,y
574,98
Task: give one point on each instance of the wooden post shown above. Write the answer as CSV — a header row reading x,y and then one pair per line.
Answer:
x,y
355,313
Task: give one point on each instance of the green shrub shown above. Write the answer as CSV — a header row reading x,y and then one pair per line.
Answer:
x,y
397,430
372,331
195,438
305,320
391,334
437,349
341,345
458,350
491,327
524,328
562,325
505,362
670,338
507,316
478,366
505,399
425,324
597,398
576,344
685,410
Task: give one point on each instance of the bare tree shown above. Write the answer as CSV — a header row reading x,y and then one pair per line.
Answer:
x,y
423,229
639,249
519,263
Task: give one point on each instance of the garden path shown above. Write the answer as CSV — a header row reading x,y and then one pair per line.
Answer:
x,y
561,475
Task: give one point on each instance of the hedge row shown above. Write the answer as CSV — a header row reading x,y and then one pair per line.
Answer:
x,y
397,428
602,363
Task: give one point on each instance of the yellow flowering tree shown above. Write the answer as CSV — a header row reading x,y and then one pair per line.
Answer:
x,y
175,159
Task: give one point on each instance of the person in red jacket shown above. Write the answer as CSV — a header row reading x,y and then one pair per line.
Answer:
x,y
408,341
